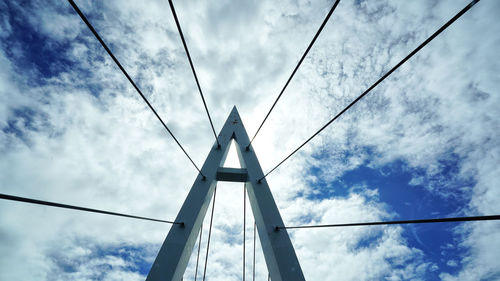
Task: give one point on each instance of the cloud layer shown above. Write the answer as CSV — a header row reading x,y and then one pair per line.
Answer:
x,y
74,131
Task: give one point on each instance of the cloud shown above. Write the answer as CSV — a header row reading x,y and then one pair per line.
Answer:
x,y
74,131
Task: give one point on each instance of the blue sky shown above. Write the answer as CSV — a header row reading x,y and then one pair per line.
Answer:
x,y
408,201
423,144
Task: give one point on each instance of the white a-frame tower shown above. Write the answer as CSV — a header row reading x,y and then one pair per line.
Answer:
x,y
279,254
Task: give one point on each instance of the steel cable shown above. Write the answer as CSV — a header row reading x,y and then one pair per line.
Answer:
x,y
244,224
434,35
209,235
253,267
192,68
456,219
92,29
296,67
72,207
198,256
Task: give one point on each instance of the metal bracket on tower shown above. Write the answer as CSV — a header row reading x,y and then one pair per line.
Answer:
x,y
279,254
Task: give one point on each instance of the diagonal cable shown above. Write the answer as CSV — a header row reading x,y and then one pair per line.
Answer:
x,y
72,207
192,68
434,35
456,219
85,20
297,67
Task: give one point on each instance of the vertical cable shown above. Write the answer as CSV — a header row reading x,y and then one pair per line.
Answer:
x,y
253,269
244,224
198,257
209,234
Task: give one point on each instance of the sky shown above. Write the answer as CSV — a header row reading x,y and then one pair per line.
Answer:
x,y
425,143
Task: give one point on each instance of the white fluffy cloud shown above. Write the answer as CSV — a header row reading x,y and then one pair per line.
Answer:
x,y
82,136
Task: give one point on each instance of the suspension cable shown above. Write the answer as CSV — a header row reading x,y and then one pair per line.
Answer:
x,y
198,256
296,67
92,29
456,219
253,267
209,234
434,35
192,68
244,224
72,207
